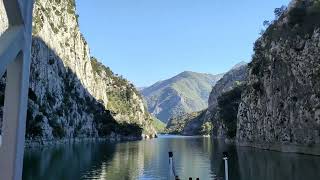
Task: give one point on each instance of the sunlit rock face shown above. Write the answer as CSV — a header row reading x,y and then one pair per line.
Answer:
x,y
281,104
71,94
3,18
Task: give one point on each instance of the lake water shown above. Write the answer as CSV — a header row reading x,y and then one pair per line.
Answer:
x,y
148,160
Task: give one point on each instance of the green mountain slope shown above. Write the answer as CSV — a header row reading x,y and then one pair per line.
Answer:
x,y
187,92
158,125
200,123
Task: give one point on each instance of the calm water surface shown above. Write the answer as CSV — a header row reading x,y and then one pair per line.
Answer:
x,y
148,160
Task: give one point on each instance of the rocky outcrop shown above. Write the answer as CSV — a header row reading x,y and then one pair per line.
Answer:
x,y
234,78
4,24
71,94
185,93
225,113
177,125
197,125
280,107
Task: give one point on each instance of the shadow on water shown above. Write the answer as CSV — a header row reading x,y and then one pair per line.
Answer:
x,y
66,162
265,165
145,160
255,164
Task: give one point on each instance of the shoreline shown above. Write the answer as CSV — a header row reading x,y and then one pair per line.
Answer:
x,y
38,143
313,150
47,143
284,148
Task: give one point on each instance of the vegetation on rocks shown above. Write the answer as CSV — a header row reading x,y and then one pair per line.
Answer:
x,y
228,105
159,126
177,124
190,124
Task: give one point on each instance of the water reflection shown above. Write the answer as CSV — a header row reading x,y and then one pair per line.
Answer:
x,y
65,162
193,157
267,165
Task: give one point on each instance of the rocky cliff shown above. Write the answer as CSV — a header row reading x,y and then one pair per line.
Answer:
x,y
280,106
71,94
185,93
231,79
234,78
176,125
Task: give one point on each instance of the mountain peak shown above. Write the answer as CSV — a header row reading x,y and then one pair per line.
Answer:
x,y
188,73
242,63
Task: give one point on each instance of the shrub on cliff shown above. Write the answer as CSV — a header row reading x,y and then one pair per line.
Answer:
x,y
228,104
206,128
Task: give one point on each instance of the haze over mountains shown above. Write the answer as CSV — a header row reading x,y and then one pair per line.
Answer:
x,y
184,93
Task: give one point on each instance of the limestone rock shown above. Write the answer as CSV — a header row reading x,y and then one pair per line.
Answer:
x,y
281,104
71,94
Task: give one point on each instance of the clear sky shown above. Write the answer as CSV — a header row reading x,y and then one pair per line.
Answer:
x,y
151,40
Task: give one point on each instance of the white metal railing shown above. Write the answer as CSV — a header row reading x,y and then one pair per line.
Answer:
x,y
15,49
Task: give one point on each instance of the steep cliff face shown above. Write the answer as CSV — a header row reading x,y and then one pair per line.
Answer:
x,y
281,104
225,113
72,95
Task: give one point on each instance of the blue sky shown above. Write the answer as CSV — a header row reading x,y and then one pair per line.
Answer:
x,y
151,40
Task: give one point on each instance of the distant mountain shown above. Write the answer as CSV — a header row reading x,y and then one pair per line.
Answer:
x,y
203,122
239,65
140,88
184,93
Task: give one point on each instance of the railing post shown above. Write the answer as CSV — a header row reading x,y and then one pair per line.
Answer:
x,y
172,171
225,158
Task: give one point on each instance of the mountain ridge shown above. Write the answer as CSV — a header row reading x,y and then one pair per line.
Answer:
x,y
204,122
185,92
